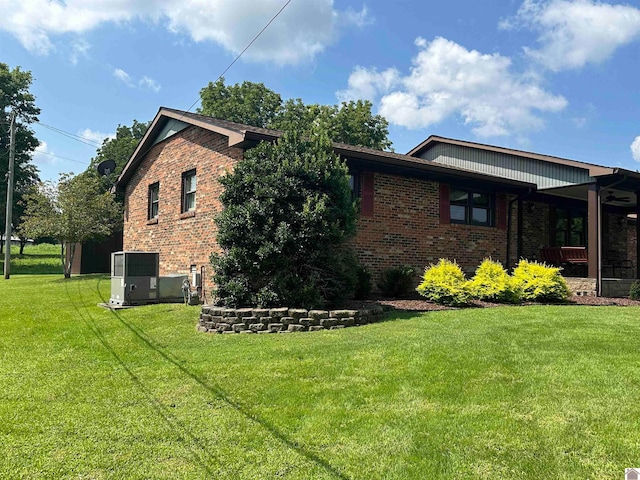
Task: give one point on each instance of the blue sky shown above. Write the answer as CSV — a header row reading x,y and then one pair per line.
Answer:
x,y
559,77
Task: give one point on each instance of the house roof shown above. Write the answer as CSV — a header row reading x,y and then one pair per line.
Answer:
x,y
593,169
246,136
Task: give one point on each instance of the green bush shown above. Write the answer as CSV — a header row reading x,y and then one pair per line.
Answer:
x,y
634,291
539,282
363,283
492,283
396,282
444,283
288,213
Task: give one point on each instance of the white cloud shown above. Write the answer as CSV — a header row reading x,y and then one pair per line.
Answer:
x,y
635,149
573,33
366,83
95,136
122,76
448,80
149,84
145,83
79,49
42,155
302,30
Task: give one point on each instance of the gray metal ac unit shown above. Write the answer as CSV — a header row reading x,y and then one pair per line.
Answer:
x,y
134,278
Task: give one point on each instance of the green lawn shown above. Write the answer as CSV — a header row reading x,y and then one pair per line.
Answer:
x,y
515,392
36,259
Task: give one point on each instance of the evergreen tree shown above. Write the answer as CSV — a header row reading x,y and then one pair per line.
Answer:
x,y
288,211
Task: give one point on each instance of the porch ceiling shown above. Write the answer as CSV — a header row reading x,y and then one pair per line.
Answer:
x,y
614,196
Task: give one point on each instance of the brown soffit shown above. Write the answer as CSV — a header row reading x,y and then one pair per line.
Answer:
x,y
246,136
594,170
239,135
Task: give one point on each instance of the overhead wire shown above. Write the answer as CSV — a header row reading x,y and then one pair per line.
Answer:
x,y
72,136
81,139
247,47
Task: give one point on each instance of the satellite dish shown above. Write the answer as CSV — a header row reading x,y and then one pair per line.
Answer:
x,y
106,167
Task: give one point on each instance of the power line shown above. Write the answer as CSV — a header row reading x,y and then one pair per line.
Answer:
x,y
64,158
72,136
247,47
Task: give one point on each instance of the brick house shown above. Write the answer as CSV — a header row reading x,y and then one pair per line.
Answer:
x,y
445,198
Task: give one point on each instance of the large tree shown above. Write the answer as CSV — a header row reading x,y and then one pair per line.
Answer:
x,y
249,103
288,213
119,149
74,210
254,104
15,97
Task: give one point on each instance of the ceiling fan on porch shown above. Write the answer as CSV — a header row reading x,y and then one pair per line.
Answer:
x,y
612,198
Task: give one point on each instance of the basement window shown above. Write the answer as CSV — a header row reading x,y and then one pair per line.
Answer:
x,y
189,191
471,207
154,191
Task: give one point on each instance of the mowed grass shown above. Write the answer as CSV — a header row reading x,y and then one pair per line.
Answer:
x,y
36,259
515,392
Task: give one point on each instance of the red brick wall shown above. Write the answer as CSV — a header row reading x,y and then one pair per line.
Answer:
x,y
405,229
182,240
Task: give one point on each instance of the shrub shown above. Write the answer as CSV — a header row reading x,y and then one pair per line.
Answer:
x,y
537,281
288,213
634,291
492,283
363,283
444,283
396,282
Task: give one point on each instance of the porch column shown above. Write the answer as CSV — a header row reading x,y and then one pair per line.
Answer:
x,y
593,232
637,234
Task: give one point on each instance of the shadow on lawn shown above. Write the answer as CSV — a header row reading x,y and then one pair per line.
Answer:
x,y
156,404
214,389
39,263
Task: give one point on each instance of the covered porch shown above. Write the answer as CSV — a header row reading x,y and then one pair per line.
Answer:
x,y
588,229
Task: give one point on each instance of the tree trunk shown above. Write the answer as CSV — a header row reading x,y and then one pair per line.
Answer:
x,y
23,242
68,263
1,243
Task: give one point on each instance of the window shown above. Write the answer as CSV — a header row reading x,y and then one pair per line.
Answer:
x,y
474,208
189,191
570,228
354,185
154,190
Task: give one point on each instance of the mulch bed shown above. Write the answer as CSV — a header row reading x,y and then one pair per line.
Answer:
x,y
416,305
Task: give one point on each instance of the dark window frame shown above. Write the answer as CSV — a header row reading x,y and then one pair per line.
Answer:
x,y
568,232
187,193
469,205
151,214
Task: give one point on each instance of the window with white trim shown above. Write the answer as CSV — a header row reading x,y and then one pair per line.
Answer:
x,y
189,191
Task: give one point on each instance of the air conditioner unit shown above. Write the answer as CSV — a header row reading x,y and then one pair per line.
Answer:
x,y
134,278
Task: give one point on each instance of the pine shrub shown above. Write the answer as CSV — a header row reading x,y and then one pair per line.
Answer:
x,y
634,290
445,283
397,282
492,283
540,282
287,214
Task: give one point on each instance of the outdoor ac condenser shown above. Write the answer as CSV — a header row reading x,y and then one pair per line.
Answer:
x,y
134,278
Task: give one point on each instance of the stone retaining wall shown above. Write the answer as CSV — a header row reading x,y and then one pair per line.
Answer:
x,y
582,286
282,320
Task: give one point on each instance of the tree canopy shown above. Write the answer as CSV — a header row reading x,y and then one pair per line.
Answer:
x,y
254,104
15,96
288,212
74,210
118,149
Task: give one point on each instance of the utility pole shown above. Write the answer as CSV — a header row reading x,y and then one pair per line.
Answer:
x,y
7,230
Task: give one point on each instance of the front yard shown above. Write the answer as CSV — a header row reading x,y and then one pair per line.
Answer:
x,y
510,392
